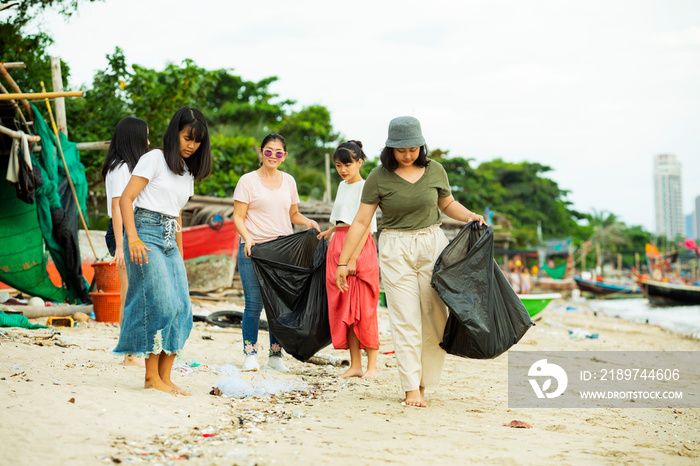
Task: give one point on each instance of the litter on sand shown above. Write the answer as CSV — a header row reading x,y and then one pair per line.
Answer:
x,y
237,384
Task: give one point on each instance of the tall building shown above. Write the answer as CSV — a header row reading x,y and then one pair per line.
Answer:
x,y
696,219
668,197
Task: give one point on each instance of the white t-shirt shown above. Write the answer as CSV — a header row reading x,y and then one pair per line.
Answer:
x,y
347,203
268,210
116,181
166,192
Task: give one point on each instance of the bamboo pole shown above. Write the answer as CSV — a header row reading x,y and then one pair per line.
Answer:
x,y
15,87
60,102
40,95
98,145
17,134
15,64
70,180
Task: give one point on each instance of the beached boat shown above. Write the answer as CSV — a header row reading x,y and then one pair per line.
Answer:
x,y
670,294
603,288
535,303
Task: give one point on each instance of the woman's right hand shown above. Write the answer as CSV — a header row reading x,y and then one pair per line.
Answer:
x,y
137,252
325,234
249,243
341,278
119,258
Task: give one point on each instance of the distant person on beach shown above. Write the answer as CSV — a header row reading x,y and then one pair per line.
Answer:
x,y
129,142
352,315
411,191
158,312
265,205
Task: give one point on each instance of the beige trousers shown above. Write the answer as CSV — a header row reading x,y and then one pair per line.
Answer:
x,y
417,315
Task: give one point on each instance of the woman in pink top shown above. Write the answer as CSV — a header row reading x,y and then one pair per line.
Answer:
x,y
264,208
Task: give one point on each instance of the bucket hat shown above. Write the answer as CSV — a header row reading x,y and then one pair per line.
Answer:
x,y
405,132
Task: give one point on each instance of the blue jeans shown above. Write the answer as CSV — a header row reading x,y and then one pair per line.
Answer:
x,y
157,309
253,306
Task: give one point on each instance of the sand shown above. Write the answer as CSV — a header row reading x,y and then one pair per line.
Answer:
x,y
67,400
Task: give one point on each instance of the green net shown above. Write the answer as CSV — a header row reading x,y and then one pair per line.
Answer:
x,y
555,272
26,230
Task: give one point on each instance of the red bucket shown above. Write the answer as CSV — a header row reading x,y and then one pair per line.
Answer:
x,y
106,277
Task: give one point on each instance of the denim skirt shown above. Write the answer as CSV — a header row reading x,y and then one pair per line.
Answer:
x,y
110,240
157,312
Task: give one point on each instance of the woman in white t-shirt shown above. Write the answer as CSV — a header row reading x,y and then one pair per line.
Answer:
x,y
129,142
158,312
264,208
352,316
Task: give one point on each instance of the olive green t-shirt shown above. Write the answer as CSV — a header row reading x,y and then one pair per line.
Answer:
x,y
407,206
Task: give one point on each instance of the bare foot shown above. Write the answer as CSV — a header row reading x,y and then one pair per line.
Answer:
x,y
134,361
415,398
370,374
177,389
352,372
160,385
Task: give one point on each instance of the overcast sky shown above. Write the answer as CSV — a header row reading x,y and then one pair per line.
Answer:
x,y
593,89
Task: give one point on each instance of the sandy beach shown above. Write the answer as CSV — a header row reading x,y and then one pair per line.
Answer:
x,y
66,399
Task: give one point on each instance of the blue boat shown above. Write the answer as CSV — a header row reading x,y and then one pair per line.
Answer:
x,y
603,288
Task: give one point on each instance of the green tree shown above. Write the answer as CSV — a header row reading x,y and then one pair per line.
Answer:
x,y
16,45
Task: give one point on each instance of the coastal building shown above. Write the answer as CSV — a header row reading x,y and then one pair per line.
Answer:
x,y
689,225
668,197
696,219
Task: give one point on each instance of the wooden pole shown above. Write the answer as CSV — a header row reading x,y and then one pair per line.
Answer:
x,y
15,87
15,64
70,180
100,145
598,265
60,102
327,194
40,95
636,263
17,134
619,263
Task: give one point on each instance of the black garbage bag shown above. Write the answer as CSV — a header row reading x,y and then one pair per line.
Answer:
x,y
486,316
292,274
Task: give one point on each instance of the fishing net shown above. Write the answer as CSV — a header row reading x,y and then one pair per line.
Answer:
x,y
29,232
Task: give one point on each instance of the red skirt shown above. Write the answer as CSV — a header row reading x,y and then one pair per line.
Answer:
x,y
357,307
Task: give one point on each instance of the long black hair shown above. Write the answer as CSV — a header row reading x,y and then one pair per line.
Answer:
x,y
129,142
389,161
349,152
199,164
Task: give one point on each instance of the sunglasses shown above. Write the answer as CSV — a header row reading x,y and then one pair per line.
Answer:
x,y
268,153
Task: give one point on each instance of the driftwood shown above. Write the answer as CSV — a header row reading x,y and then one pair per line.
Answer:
x,y
327,359
33,312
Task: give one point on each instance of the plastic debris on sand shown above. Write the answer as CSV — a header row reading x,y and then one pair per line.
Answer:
x,y
237,384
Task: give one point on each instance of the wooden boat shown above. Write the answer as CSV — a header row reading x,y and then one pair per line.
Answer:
x,y
535,303
602,288
547,284
670,294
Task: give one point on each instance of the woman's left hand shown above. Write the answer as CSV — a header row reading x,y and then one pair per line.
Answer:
x,y
474,217
312,224
352,266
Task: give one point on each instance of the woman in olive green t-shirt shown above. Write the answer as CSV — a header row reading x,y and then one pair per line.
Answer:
x,y
411,191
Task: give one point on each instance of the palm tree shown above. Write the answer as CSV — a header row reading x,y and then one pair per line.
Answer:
x,y
608,233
